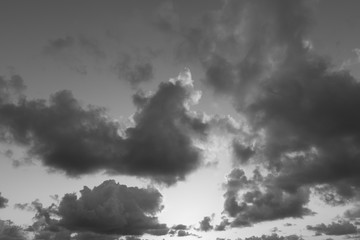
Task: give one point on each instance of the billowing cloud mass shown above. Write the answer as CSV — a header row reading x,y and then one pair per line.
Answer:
x,y
107,212
335,228
306,113
3,201
111,208
259,199
80,140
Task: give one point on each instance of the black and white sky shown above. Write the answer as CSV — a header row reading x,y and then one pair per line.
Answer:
x,y
180,119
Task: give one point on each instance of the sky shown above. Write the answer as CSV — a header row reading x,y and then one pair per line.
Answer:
x,y
169,119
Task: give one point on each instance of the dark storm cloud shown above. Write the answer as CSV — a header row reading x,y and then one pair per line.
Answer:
x,y
111,208
254,200
205,224
134,69
3,201
81,140
335,228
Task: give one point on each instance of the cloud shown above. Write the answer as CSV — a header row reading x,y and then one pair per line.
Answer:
x,y
242,153
59,44
70,43
3,201
163,130
353,213
61,133
106,212
78,53
183,233
79,140
259,199
180,227
134,69
205,224
223,224
10,231
111,208
339,228
275,237
305,112
50,235
11,88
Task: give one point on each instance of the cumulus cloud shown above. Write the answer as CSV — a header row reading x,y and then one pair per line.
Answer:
x,y
107,211
162,132
3,201
62,133
205,224
258,199
111,208
335,228
78,140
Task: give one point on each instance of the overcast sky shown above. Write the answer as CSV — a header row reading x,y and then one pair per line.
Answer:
x,y
180,119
